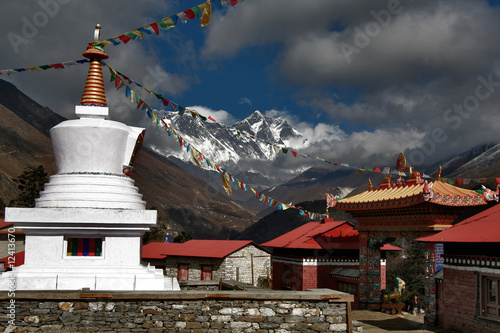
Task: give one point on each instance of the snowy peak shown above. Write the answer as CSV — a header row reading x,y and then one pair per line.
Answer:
x,y
230,145
480,161
266,128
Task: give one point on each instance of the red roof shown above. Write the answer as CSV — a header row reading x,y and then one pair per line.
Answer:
x,y
319,235
18,259
5,225
390,247
156,250
194,248
482,227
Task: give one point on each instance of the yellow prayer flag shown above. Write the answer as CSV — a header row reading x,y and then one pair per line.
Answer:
x,y
194,153
105,42
207,13
34,68
168,21
226,184
138,33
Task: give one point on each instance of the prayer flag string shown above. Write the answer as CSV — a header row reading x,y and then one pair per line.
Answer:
x,y
175,107
199,158
60,65
202,11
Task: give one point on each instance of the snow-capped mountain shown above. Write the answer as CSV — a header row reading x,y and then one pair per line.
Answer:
x,y
254,138
478,162
483,161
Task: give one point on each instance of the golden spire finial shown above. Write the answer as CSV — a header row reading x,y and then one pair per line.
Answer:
x,y
370,185
97,33
93,93
438,173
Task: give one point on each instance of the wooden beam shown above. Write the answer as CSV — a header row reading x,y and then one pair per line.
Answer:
x,y
348,317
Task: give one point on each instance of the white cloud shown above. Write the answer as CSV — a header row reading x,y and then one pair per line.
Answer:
x,y
245,100
221,116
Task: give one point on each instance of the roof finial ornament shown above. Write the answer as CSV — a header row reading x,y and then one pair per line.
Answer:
x,y
97,33
370,185
401,166
93,93
438,173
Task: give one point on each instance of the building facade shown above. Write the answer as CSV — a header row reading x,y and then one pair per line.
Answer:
x,y
467,288
201,260
317,255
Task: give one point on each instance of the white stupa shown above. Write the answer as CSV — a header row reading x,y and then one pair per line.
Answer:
x,y
85,230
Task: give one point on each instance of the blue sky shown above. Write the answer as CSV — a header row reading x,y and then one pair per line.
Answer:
x,y
363,80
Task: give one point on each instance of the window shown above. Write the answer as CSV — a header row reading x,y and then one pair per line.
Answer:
x,y
490,303
183,272
84,247
206,272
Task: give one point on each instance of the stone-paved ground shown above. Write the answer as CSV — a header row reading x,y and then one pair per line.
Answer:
x,y
378,322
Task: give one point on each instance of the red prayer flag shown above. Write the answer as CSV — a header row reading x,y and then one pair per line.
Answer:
x,y
165,101
212,119
155,27
458,181
376,170
233,2
294,153
124,38
140,103
117,82
190,14
57,66
498,180
335,164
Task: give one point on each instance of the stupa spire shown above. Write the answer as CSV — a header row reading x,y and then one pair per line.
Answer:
x,y
93,94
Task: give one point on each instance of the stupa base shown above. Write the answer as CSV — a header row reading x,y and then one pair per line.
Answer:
x,y
90,278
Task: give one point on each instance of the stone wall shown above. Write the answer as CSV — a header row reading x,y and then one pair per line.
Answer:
x,y
221,312
243,261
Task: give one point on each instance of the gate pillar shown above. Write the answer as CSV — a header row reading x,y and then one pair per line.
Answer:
x,y
369,272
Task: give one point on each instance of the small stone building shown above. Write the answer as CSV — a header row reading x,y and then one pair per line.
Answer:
x,y
199,260
467,287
